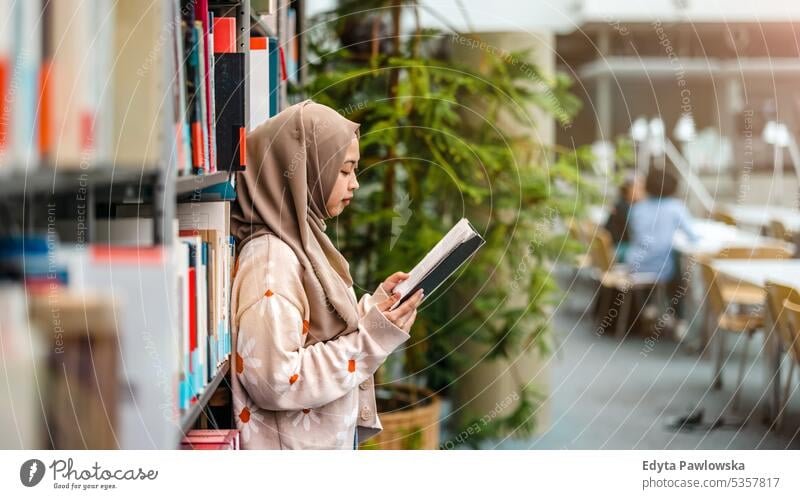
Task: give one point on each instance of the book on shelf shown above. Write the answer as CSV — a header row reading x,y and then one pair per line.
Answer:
x,y
292,47
206,19
139,84
274,76
205,230
81,380
230,89
202,261
442,261
84,82
25,358
259,82
20,66
211,439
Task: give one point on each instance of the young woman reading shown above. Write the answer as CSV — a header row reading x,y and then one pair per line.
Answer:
x,y
304,348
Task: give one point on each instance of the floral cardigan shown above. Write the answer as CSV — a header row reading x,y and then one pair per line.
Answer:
x,y
295,387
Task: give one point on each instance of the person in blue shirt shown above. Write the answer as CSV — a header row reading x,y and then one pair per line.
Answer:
x,y
653,222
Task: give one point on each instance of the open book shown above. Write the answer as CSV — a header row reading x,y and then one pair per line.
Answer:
x,y
455,248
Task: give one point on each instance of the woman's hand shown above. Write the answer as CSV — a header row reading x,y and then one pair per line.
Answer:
x,y
404,315
393,280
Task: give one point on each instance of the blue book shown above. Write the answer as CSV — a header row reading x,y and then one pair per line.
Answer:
x,y
274,75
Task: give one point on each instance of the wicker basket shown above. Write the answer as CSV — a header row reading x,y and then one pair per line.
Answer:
x,y
415,425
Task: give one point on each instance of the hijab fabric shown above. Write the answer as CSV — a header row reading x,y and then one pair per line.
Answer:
x,y
293,160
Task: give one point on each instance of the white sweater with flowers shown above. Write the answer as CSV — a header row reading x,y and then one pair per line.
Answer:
x,y
295,387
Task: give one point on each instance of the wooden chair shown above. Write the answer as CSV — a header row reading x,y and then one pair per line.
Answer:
x,y
778,230
784,308
615,277
723,217
725,320
578,232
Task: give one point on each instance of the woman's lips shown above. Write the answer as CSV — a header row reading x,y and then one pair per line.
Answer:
x,y
347,200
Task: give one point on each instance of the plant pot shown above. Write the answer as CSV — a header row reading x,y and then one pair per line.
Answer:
x,y
490,390
410,418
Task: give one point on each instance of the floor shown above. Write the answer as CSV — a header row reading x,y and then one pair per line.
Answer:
x,y
612,394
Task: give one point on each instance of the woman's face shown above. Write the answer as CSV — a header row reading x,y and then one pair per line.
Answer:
x,y
346,183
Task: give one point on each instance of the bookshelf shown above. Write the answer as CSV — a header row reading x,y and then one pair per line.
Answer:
x,y
188,420
194,184
146,180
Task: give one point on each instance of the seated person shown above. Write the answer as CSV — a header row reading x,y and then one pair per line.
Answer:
x,y
652,224
630,191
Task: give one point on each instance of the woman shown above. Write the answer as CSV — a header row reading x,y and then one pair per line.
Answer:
x,y
304,349
654,221
617,223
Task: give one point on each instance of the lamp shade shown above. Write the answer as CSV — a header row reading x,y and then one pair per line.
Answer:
x,y
684,129
770,133
656,127
639,129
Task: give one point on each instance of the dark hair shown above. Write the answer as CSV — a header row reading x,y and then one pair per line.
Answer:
x,y
660,183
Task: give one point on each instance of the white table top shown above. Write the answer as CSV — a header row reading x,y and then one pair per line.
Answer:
x,y
758,271
760,216
716,236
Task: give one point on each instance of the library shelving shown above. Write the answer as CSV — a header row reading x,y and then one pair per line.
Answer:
x,y
110,210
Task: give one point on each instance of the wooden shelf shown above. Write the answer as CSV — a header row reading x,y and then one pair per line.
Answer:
x,y
188,419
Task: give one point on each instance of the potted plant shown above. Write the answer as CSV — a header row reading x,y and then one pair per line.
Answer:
x,y
430,154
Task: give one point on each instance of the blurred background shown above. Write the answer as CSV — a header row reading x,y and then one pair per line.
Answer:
x,y
632,166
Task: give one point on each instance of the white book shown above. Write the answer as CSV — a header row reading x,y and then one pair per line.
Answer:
x,y
447,256
259,86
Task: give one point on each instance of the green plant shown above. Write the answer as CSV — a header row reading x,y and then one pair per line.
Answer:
x,y
430,154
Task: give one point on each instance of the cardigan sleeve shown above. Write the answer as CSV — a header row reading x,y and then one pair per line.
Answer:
x,y
279,373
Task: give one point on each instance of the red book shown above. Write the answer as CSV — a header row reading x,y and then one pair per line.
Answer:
x,y
224,35
283,64
211,440
192,322
5,103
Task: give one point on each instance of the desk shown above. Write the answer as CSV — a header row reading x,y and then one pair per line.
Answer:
x,y
757,216
757,272
715,236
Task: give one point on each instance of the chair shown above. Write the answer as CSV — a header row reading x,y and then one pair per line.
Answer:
x,y
577,230
784,308
778,230
726,320
615,276
723,217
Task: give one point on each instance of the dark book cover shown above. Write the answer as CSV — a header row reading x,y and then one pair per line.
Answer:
x,y
229,96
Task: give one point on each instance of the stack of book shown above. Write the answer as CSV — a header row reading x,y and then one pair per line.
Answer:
x,y
204,264
211,440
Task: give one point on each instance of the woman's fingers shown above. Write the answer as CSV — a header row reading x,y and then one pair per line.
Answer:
x,y
393,280
407,306
387,303
409,321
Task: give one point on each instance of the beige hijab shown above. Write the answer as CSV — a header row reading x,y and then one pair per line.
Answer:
x,y
293,160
